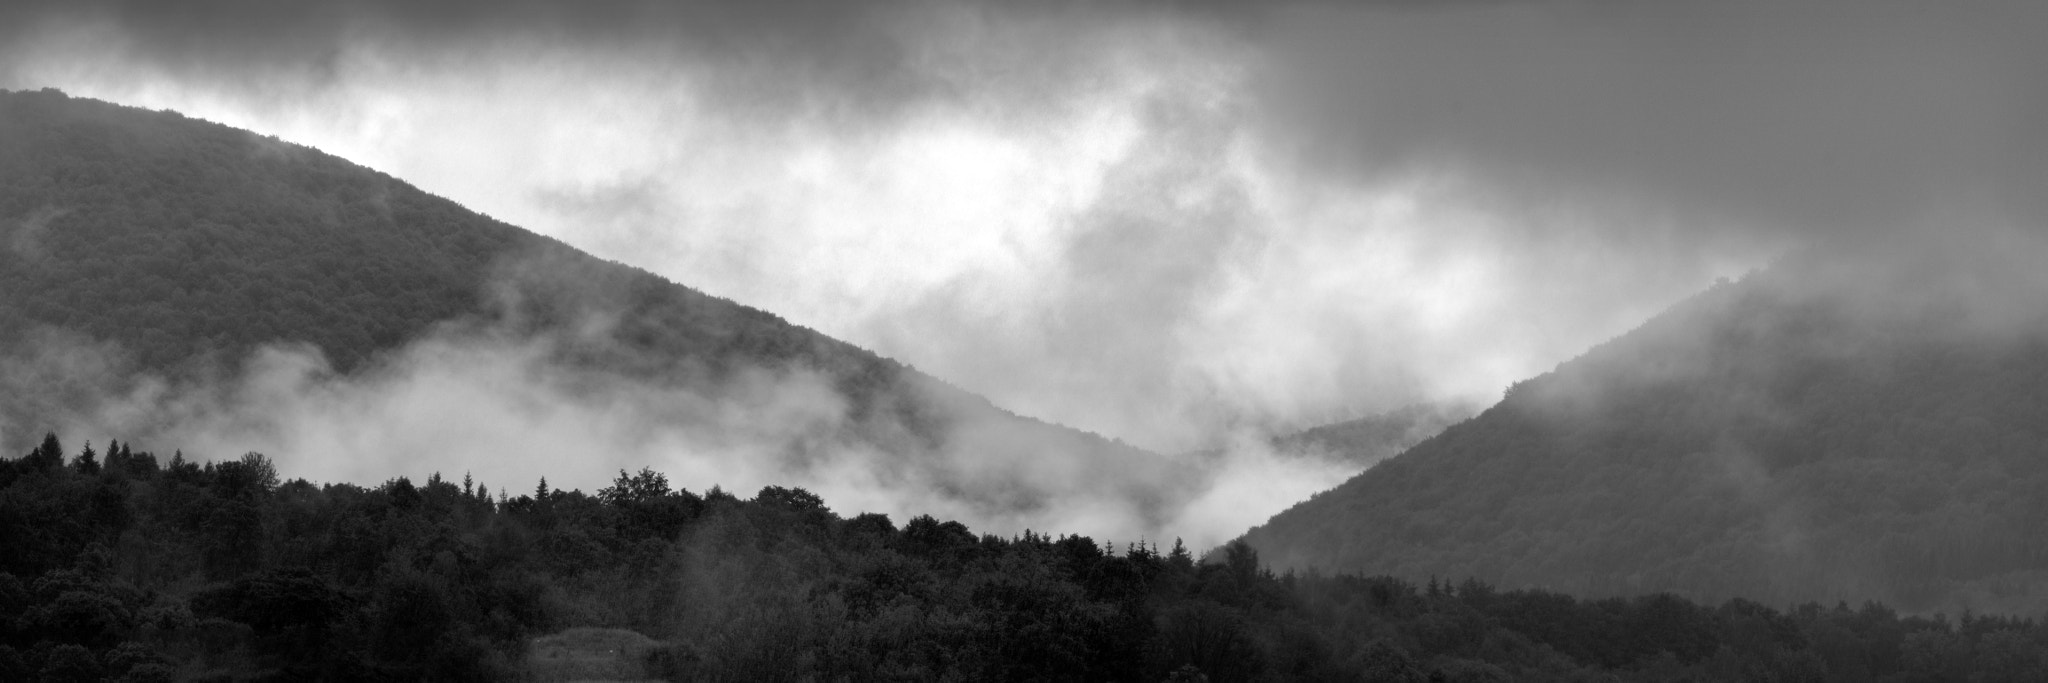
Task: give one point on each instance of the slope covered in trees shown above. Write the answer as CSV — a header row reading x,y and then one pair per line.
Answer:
x,y
121,566
186,244
1836,427
177,237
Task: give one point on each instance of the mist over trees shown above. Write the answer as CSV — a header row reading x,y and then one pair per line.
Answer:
x,y
1838,426
1815,473
187,242
125,566
155,261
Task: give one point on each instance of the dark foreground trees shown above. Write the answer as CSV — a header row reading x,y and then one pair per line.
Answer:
x,y
121,567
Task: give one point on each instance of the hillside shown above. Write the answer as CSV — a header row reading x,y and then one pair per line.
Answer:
x,y
185,245
1836,427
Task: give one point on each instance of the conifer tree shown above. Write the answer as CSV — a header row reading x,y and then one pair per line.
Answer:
x,y
47,456
1179,558
88,461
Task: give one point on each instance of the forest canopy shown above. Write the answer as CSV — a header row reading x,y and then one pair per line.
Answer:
x,y
125,566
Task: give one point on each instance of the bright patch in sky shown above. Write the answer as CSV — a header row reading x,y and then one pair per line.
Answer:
x,y
1126,252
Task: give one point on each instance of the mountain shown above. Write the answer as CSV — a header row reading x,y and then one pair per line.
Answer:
x,y
185,246
1845,425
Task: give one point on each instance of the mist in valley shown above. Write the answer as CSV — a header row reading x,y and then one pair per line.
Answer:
x,y
1188,227
510,402
1125,340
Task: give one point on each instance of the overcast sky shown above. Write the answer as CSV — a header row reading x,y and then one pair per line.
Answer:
x,y
1157,221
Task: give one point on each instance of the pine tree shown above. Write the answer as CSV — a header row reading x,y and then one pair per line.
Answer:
x,y
48,456
88,461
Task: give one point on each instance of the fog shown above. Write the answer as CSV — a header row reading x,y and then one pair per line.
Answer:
x,y
490,398
1180,219
1183,225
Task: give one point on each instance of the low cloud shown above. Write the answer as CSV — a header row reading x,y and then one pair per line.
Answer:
x,y
1171,223
494,399
1094,215
24,238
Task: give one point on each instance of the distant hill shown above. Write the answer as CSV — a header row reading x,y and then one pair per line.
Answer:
x,y
1835,427
188,244
1366,441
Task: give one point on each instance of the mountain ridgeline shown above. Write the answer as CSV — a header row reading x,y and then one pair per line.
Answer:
x,y
186,245
1840,426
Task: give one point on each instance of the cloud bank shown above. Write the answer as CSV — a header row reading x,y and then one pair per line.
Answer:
x,y
1166,222
479,400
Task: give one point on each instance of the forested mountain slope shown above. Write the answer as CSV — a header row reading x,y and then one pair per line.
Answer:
x,y
183,239
1835,427
186,244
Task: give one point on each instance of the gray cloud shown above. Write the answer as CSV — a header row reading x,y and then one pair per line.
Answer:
x,y
1825,115
849,61
1804,118
1169,222
497,401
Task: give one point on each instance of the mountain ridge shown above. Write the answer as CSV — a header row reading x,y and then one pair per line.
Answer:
x,y
1813,431
188,245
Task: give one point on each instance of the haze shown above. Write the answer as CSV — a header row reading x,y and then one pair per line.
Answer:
x,y
1169,223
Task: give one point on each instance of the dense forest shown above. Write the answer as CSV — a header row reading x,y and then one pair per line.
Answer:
x,y
1814,431
125,566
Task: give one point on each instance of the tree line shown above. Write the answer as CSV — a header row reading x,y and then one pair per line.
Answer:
x,y
123,566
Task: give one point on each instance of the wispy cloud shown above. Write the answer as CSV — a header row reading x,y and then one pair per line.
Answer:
x,y
1165,222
